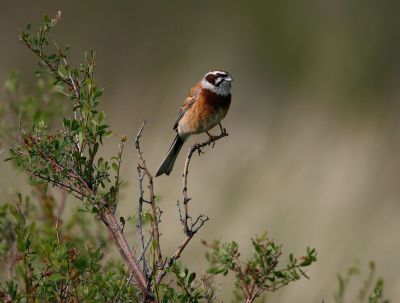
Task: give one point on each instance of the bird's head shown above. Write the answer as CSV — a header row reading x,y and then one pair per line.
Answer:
x,y
219,82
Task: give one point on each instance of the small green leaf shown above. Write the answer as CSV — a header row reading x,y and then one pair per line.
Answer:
x,y
80,138
192,276
56,277
98,94
101,116
62,71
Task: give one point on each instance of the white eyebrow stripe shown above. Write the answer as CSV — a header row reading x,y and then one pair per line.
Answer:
x,y
216,72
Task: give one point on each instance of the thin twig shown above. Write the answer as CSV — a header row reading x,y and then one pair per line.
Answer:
x,y
76,110
117,177
189,229
155,217
186,217
140,219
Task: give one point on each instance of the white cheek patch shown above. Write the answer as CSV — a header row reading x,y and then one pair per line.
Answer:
x,y
208,85
223,89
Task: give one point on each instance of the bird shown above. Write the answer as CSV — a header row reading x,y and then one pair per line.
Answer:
x,y
206,105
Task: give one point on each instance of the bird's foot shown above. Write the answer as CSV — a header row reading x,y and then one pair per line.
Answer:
x,y
211,139
223,130
198,147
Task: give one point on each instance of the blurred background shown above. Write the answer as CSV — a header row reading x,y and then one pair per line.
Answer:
x,y
313,153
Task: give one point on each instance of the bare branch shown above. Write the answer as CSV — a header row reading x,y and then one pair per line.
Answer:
x,y
155,214
140,219
201,219
190,228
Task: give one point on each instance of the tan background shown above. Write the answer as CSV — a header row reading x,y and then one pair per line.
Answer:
x,y
313,151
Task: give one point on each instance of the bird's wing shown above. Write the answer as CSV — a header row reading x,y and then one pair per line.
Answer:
x,y
190,100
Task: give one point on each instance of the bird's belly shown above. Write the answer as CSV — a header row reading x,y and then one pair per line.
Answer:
x,y
199,120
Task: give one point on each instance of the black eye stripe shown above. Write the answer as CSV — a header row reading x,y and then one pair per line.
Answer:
x,y
216,78
219,81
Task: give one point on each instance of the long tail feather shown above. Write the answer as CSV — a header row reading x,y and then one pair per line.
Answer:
x,y
168,163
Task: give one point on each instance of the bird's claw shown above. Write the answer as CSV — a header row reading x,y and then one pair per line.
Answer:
x,y
223,130
212,141
198,148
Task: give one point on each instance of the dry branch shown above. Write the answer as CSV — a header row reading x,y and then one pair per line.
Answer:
x,y
142,169
190,227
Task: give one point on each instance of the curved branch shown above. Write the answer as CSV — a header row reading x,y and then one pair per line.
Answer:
x,y
189,229
201,219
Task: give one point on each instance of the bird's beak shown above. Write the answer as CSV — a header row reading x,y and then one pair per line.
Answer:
x,y
229,79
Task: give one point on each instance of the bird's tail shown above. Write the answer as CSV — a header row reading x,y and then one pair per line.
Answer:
x,y
168,163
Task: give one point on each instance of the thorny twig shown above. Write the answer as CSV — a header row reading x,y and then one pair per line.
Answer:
x,y
201,219
140,219
190,228
142,169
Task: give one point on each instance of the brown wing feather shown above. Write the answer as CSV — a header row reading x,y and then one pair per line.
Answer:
x,y
190,100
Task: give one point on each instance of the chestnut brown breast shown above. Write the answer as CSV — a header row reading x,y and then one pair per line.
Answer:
x,y
208,110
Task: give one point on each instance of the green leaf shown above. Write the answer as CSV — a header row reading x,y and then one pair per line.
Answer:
x,y
98,94
101,116
75,125
62,71
46,19
80,138
192,276
66,123
56,277
182,274
115,166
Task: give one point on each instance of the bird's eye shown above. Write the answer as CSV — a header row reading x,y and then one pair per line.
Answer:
x,y
219,81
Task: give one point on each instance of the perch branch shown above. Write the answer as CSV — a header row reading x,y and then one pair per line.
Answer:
x,y
201,219
190,227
